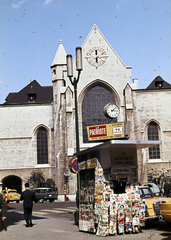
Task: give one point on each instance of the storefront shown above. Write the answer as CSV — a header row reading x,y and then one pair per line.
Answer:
x,y
105,172
118,158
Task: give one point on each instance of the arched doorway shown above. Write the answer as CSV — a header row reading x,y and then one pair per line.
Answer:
x,y
12,182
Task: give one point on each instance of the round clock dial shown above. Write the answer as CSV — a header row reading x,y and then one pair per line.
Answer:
x,y
96,56
111,110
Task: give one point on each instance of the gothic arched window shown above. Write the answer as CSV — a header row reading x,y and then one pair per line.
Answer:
x,y
42,146
92,108
154,152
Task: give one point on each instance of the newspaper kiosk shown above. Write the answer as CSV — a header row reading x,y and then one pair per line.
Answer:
x,y
105,207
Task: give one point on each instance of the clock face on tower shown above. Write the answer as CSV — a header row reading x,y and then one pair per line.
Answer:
x,y
96,56
111,110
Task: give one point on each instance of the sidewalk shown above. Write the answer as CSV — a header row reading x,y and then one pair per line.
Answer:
x,y
54,228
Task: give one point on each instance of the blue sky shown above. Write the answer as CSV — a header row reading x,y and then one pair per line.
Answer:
x,y
30,30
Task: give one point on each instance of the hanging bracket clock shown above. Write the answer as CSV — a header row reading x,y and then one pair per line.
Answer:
x,y
111,110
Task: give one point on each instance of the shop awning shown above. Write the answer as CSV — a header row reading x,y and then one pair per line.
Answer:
x,y
121,144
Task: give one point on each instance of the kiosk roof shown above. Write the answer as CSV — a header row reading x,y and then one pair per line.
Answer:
x,y
121,144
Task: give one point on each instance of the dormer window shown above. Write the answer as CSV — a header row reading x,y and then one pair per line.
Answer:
x,y
31,95
159,84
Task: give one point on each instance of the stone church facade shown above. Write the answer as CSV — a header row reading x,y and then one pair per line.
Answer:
x,y
37,130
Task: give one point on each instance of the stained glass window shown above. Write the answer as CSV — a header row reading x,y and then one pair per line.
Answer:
x,y
92,108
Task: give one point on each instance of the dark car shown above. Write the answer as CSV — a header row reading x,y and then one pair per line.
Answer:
x,y
45,194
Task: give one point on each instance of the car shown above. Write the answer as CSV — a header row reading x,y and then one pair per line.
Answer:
x,y
165,209
152,203
154,188
12,195
44,193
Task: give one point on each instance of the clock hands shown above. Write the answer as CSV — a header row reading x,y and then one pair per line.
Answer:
x,y
101,55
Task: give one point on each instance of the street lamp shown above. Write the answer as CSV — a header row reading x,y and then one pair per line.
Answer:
x,y
74,82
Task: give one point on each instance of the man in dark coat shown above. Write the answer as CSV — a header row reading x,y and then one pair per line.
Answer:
x,y
2,211
28,196
167,189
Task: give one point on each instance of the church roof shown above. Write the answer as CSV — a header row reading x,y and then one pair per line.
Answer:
x,y
60,57
32,93
158,83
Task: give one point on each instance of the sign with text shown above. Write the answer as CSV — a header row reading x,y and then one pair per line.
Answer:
x,y
90,163
106,131
123,158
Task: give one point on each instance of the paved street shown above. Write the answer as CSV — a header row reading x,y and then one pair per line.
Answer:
x,y
56,221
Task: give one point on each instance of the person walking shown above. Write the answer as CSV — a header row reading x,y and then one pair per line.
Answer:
x,y
28,197
167,189
2,212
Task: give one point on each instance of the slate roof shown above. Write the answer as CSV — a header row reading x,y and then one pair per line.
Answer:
x,y
158,83
41,94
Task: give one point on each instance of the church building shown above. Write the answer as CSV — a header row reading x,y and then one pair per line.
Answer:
x,y
37,130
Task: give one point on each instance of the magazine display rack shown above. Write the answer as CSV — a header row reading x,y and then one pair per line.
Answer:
x,y
105,213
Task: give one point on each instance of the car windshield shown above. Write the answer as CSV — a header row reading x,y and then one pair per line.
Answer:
x,y
12,191
146,193
42,190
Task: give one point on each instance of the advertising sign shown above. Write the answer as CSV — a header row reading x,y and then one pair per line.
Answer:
x,y
124,158
90,163
106,131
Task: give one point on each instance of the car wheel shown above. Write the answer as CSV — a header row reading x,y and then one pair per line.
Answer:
x,y
17,201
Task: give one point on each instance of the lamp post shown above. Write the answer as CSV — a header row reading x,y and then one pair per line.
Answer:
x,y
74,82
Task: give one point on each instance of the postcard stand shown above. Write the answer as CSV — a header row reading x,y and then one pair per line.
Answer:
x,y
135,217
128,218
121,217
105,213
113,215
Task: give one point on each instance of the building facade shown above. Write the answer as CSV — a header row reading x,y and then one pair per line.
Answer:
x,y
37,128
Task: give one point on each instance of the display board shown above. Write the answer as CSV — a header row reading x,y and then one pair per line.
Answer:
x,y
105,213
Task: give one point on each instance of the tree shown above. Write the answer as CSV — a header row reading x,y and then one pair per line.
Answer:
x,y
36,179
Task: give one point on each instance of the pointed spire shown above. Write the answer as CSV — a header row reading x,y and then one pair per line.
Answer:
x,y
60,57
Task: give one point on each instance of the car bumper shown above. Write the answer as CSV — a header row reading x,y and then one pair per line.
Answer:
x,y
152,218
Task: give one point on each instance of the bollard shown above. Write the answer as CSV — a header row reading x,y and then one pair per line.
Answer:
x,y
65,191
6,200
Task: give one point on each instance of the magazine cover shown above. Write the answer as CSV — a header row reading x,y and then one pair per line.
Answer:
x,y
121,228
121,217
142,214
112,228
128,218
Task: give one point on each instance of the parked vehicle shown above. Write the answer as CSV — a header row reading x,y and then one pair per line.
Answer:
x,y
44,194
12,195
154,188
165,209
152,203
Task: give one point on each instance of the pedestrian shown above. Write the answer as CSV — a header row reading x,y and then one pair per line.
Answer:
x,y
28,197
167,189
2,212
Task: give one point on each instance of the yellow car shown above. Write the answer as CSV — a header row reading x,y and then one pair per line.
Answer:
x,y
152,203
12,195
165,209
